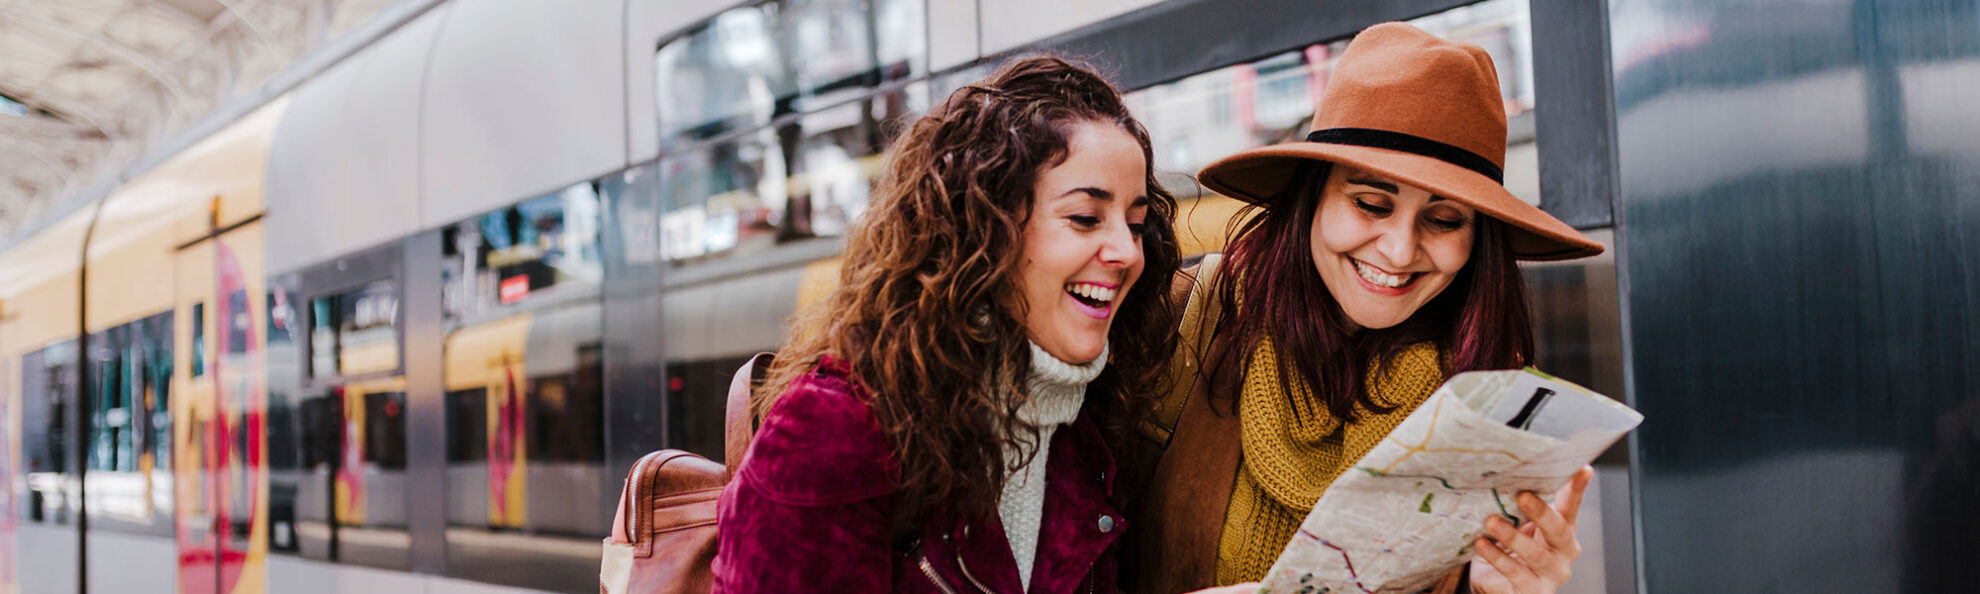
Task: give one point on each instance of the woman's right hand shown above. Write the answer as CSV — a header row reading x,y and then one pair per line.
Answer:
x,y
1536,558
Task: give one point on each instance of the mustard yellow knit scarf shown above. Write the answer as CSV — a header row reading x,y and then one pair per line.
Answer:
x,y
1293,448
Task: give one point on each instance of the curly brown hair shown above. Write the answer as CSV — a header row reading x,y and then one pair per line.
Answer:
x,y
920,313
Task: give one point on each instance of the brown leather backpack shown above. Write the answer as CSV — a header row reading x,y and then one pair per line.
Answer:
x,y
663,536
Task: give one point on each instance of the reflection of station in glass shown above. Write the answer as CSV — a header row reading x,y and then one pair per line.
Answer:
x,y
773,117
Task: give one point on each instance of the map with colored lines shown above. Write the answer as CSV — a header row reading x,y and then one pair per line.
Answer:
x,y
1407,513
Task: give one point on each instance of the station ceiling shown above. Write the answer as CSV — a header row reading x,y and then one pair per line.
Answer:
x,y
86,86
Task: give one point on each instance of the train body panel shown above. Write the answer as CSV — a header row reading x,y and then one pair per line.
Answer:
x,y
552,74
343,169
39,309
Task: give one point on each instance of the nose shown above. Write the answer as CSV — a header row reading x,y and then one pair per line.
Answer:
x,y
1118,248
1398,241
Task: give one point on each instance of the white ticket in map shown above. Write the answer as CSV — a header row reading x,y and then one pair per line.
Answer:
x,y
1407,513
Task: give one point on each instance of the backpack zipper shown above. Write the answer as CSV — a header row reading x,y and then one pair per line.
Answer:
x,y
638,498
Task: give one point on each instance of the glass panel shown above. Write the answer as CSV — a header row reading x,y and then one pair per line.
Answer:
x,y
1204,117
532,251
355,332
524,400
726,76
839,48
809,178
1800,194
697,394
47,390
721,197
368,474
751,65
285,431
130,426
320,427
198,339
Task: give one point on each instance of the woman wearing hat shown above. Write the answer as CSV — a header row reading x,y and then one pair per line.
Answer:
x,y
1381,261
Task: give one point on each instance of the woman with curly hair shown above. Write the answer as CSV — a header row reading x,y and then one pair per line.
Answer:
x,y
948,418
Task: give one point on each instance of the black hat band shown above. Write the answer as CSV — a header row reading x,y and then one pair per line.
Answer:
x,y
1397,141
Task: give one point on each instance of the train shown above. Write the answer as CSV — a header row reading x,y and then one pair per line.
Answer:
x,y
405,324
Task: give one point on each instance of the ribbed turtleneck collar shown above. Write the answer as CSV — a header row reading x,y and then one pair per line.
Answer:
x,y
1057,389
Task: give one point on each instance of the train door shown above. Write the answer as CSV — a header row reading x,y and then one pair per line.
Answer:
x,y
219,444
350,492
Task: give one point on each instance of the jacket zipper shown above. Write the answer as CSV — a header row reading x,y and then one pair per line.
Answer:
x,y
935,578
966,575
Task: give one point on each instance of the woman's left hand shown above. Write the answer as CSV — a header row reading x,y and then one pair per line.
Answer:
x,y
1535,558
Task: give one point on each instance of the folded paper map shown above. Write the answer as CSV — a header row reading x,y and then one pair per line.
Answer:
x,y
1407,513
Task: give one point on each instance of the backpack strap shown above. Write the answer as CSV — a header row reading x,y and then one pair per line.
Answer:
x,y
740,422
1199,321
1189,492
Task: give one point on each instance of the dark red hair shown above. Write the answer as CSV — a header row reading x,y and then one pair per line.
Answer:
x,y
1478,322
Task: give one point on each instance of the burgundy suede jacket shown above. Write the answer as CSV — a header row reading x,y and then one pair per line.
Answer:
x,y
809,509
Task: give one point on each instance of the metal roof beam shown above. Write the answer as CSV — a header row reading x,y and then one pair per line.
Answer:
x,y
130,54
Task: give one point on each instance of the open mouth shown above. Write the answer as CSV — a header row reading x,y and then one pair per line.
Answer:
x,y
1094,299
1382,279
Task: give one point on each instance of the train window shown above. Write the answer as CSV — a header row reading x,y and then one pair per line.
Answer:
x,y
383,424
752,64
365,472
284,430
726,76
524,252
838,48
131,372
841,151
810,177
1200,118
239,324
198,339
130,424
355,332
524,402
722,197
47,391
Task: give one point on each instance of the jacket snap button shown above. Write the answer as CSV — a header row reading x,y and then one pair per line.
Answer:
x,y
1106,524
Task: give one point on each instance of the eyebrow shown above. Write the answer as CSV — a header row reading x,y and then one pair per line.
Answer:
x,y
1389,187
1101,195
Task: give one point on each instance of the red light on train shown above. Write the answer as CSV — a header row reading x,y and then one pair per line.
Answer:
x,y
514,289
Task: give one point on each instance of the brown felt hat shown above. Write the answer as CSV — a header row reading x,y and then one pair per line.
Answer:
x,y
1425,111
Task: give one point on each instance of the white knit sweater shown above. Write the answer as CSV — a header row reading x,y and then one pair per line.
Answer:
x,y
1057,391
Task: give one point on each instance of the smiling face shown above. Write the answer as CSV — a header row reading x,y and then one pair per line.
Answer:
x,y
1082,242
1384,248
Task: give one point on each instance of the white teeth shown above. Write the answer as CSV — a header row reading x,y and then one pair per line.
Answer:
x,y
1379,278
1091,291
